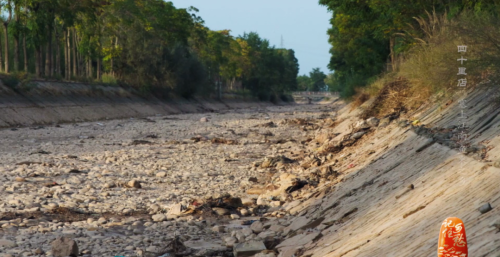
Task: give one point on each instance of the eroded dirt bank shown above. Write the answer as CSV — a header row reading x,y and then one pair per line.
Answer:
x,y
303,180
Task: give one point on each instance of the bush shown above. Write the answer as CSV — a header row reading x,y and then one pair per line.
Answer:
x,y
11,81
108,78
286,98
431,65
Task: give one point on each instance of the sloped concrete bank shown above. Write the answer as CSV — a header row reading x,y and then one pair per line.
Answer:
x,y
56,102
399,182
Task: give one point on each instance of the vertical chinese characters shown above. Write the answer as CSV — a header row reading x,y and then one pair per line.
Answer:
x,y
462,82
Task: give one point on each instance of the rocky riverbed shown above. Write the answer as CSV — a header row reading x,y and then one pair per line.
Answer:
x,y
135,187
283,181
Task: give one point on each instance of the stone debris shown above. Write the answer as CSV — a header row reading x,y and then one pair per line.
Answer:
x,y
485,208
237,186
64,246
248,249
134,184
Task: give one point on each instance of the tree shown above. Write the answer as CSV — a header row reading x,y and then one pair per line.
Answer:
x,y
317,80
365,36
304,82
8,6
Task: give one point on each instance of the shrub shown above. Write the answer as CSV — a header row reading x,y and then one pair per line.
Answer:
x,y
431,65
11,81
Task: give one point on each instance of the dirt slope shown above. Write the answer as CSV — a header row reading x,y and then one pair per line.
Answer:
x,y
372,210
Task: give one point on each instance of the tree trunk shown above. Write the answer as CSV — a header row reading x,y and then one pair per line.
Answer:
x,y
91,72
1,57
67,58
48,57
74,52
24,41
78,56
37,61
391,43
6,41
42,61
25,53
58,52
98,69
65,55
16,52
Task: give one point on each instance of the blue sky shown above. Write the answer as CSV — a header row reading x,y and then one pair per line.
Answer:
x,y
302,23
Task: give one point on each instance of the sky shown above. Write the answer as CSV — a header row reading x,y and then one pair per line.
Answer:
x,y
302,23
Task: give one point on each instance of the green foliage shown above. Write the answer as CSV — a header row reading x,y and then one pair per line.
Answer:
x,y
367,37
314,82
273,71
108,78
149,45
11,81
317,80
303,83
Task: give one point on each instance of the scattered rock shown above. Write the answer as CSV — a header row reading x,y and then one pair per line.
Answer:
x,y
134,184
358,135
64,246
220,211
159,217
257,227
204,119
362,125
219,229
373,122
485,208
248,249
161,174
384,122
19,179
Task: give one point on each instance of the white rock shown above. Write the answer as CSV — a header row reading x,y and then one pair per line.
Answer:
x,y
161,174
159,217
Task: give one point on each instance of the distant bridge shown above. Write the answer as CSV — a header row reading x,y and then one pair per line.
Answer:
x,y
322,93
307,96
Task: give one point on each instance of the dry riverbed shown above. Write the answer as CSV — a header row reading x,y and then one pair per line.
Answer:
x,y
159,186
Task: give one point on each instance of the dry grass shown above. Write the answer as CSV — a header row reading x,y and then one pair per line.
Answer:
x,y
431,65
360,98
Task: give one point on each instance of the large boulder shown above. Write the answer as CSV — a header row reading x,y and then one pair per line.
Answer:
x,y
64,246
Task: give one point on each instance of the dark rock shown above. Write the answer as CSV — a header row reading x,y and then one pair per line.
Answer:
x,y
485,208
253,179
358,135
64,246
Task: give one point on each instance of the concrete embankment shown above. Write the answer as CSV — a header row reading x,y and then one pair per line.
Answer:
x,y
44,102
398,182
